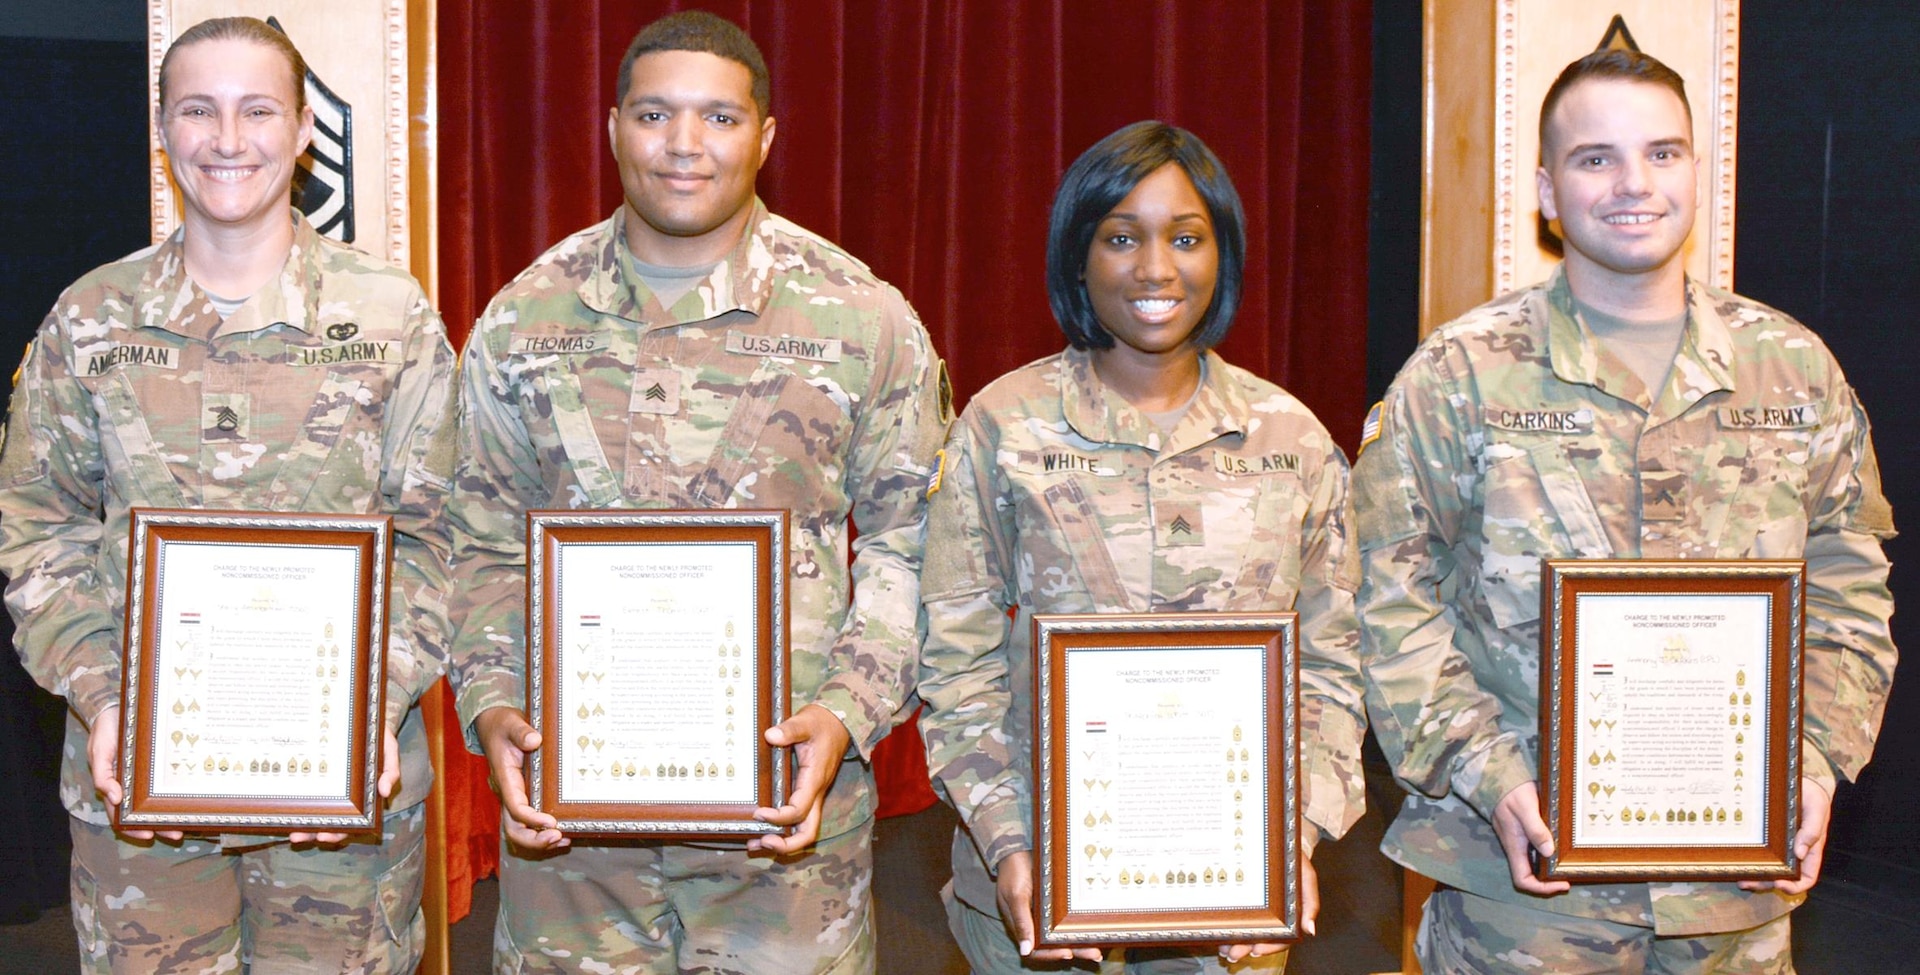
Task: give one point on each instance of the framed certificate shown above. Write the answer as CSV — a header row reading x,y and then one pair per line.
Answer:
x,y
657,660
1166,772
254,682
1670,719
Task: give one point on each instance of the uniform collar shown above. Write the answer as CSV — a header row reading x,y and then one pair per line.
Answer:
x,y
1098,413
1703,365
742,281
169,299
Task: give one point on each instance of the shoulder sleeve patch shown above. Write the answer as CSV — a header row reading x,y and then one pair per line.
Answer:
x,y
946,396
937,476
1370,428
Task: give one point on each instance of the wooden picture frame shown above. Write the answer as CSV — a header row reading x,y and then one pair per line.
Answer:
x,y
225,612
672,743
1139,698
1641,779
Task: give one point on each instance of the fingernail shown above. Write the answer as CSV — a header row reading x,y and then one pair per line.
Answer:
x,y
1309,926
1026,947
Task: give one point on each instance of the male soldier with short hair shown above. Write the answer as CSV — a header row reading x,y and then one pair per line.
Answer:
x,y
1617,410
784,375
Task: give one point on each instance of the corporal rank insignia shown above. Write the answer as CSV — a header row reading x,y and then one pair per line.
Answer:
x,y
323,187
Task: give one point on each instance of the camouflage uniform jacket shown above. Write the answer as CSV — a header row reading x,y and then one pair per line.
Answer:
x,y
1060,497
790,377
322,393
1513,435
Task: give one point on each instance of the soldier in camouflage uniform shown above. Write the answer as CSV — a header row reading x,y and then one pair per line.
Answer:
x,y
695,351
1072,487
319,390
1619,410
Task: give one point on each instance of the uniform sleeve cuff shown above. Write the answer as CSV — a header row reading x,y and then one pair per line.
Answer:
x,y
91,694
1504,769
1814,766
1335,783
865,714
484,692
398,703
998,830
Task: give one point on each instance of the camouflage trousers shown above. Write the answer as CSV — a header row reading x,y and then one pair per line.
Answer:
x,y
652,908
989,951
1465,934
157,907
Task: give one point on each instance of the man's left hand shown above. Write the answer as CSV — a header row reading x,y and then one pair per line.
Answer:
x,y
1810,844
819,743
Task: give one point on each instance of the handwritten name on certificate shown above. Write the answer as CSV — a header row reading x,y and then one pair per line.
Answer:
x,y
1167,779
1671,736
254,681
659,687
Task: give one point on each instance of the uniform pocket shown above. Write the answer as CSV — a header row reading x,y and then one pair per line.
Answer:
x,y
399,888
1535,507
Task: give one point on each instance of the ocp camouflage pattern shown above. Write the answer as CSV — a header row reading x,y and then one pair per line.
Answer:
x,y
323,393
1512,436
1061,497
580,391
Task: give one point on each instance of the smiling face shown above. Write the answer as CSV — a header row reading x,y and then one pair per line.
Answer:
x,y
689,140
1151,269
232,132
1619,174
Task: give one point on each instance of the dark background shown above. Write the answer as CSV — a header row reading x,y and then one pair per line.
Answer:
x,y
1829,130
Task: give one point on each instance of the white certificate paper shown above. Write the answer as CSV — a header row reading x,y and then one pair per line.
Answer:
x,y
253,682
1166,778
658,683
1671,730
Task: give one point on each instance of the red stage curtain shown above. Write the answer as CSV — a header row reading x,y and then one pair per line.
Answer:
x,y
927,137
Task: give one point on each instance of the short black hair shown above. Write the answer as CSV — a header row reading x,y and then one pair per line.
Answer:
x,y
1611,64
1097,182
698,30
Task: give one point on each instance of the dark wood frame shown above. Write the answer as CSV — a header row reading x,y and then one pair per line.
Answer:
x,y
1563,581
767,530
1054,637
371,536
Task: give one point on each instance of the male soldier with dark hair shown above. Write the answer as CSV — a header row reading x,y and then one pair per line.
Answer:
x,y
782,374
1617,410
